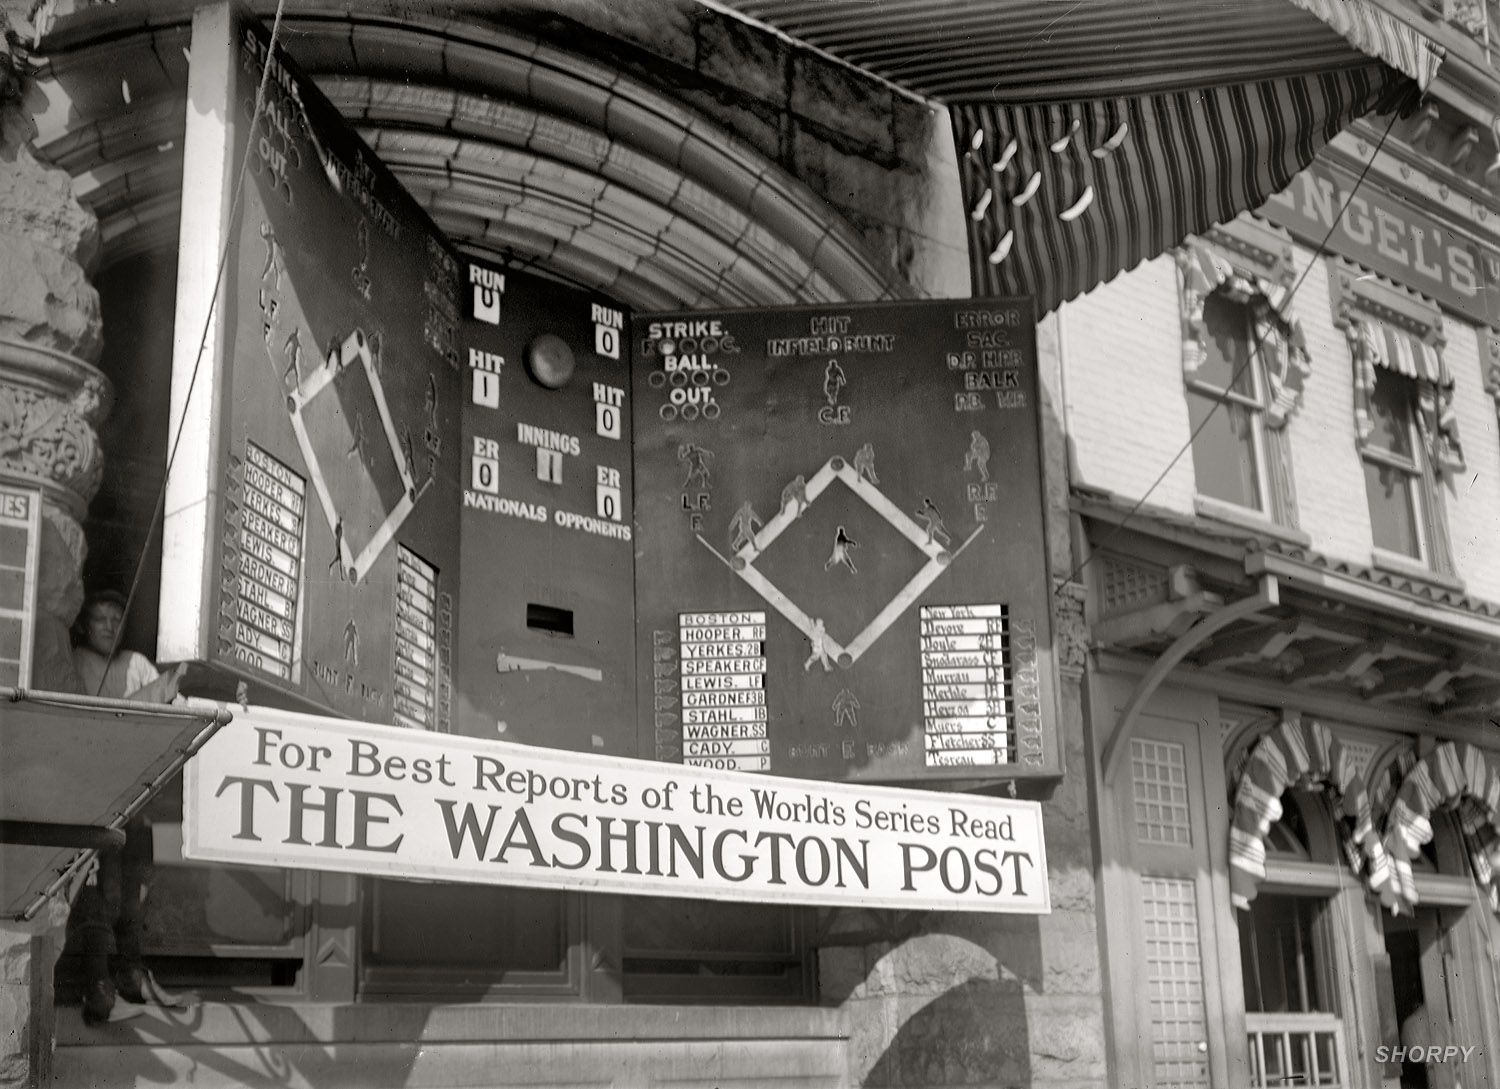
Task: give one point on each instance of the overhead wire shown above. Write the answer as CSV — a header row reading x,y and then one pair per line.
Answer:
x,y
1072,576
1239,372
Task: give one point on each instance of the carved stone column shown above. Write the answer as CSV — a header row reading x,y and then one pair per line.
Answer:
x,y
51,398
51,395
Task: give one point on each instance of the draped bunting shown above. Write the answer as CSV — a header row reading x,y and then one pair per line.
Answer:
x,y
1283,348
1375,343
1301,753
1452,776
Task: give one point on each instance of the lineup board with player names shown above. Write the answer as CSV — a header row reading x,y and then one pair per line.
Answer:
x,y
841,570
311,545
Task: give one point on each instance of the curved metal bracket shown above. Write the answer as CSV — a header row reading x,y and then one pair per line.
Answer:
x,y
1265,596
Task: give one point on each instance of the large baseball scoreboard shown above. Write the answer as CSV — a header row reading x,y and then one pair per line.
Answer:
x,y
454,495
839,567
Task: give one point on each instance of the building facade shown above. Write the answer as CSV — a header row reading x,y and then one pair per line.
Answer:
x,y
1254,605
1291,599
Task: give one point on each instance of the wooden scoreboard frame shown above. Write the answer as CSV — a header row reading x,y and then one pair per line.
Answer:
x,y
311,531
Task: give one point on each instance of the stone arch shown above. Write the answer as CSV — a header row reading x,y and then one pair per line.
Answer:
x,y
1458,776
514,147
1300,752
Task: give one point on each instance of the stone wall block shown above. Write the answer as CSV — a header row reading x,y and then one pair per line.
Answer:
x,y
841,973
666,30
940,269
46,299
1070,953
851,109
937,963
976,1034
736,54
1066,1039
1072,887
28,951
753,121
39,205
15,1033
849,179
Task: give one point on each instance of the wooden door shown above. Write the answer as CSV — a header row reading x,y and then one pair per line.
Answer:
x,y
1162,848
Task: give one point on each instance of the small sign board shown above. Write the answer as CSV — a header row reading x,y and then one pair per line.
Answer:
x,y
20,551
311,534
841,571
279,789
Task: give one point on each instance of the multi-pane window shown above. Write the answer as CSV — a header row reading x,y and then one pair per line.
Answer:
x,y
1294,1034
1406,429
1159,783
1394,471
1226,407
1244,364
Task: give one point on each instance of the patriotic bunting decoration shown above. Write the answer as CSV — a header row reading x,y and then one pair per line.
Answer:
x,y
1283,347
1302,753
1453,776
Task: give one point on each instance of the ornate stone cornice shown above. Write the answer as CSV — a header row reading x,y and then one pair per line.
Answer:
x,y
1070,630
50,404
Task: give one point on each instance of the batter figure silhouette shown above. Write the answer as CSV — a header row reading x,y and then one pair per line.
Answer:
x,y
932,521
833,381
842,543
819,641
978,456
742,527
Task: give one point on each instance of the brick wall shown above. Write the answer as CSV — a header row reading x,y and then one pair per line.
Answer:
x,y
1473,497
1325,464
1127,417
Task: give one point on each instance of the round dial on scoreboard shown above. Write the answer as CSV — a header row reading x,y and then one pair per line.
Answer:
x,y
550,361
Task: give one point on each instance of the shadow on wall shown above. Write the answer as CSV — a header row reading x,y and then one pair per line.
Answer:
x,y
256,1046
137,300
945,1007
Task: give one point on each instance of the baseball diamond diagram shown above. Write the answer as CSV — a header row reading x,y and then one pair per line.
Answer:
x,y
840,563
333,472
805,540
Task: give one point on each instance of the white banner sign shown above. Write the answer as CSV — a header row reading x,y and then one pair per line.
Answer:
x,y
274,788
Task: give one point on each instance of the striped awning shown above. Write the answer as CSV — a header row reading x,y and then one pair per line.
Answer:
x,y
1377,343
1094,135
1404,352
981,51
1379,34
1062,197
